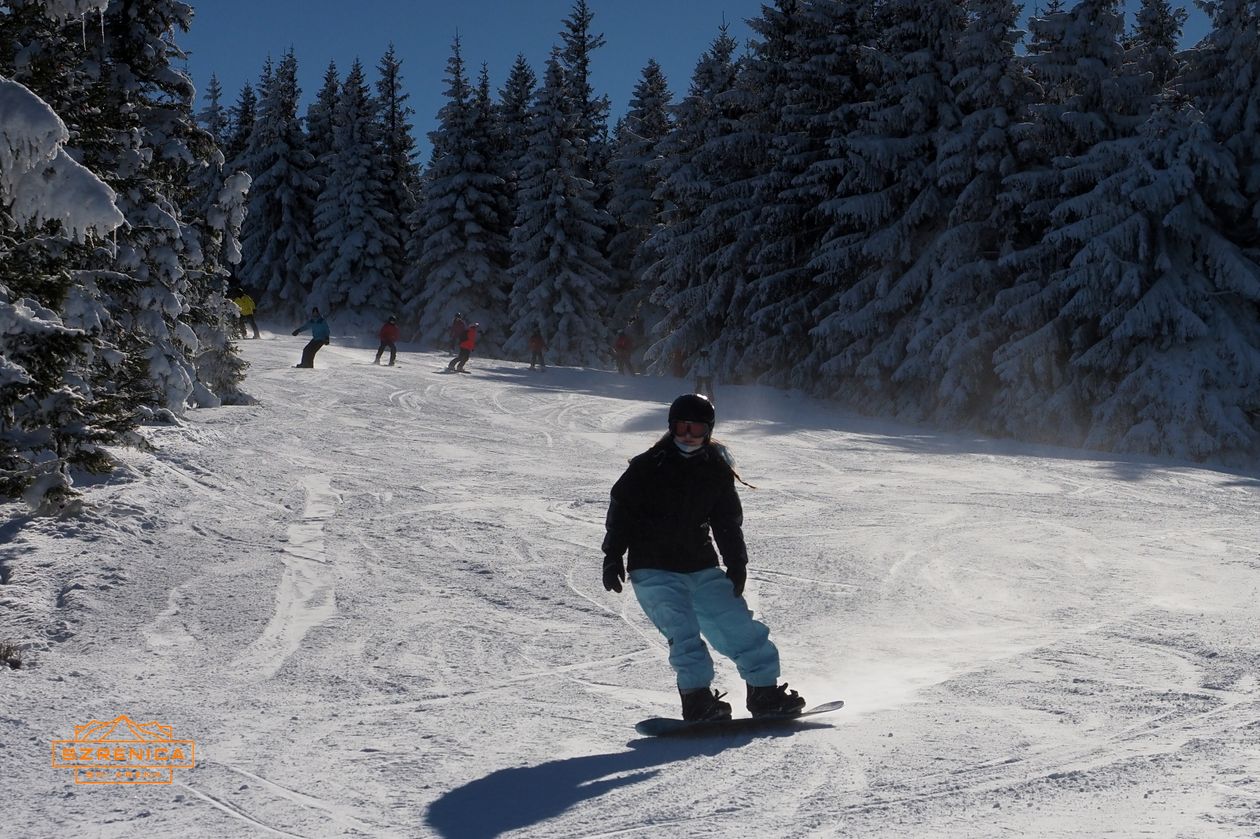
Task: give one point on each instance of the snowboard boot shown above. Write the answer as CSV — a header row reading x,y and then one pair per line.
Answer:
x,y
774,701
704,704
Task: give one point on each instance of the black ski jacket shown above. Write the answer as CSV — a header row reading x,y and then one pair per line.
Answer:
x,y
665,503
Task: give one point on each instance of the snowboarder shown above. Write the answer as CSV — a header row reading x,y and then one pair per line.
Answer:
x,y
623,349
661,510
536,347
703,371
247,307
389,340
456,332
319,337
466,346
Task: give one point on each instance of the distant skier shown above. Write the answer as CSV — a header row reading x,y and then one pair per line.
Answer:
x,y
455,334
703,371
466,346
247,307
661,510
623,350
536,348
678,364
389,340
319,337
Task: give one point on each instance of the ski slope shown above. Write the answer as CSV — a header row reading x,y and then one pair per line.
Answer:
x,y
373,600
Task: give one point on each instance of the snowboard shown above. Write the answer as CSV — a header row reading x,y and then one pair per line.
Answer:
x,y
674,727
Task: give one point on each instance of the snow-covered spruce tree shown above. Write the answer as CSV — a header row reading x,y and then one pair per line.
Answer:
x,y
516,98
488,126
803,67
135,128
561,278
276,239
637,213
402,175
590,112
1087,100
1170,304
957,327
214,116
354,233
1223,77
319,125
742,159
218,366
690,170
49,420
240,125
462,250
1152,46
897,203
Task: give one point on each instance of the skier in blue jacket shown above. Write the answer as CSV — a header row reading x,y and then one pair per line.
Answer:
x,y
319,337
662,510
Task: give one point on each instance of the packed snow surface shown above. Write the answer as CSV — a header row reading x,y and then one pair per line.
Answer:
x,y
373,601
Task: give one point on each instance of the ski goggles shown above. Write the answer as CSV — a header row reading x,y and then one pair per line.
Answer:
x,y
687,428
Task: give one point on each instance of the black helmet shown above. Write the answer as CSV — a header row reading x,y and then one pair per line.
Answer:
x,y
692,407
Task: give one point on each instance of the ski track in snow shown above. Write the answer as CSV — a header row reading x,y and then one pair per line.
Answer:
x,y
374,601
304,598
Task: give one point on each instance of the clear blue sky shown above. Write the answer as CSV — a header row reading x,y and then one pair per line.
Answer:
x,y
232,39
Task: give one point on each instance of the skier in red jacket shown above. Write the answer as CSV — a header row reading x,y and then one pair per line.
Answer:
x,y
466,347
389,340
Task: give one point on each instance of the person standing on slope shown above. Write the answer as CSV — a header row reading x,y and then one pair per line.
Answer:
x,y
703,371
247,308
661,510
319,337
389,340
456,331
537,345
466,346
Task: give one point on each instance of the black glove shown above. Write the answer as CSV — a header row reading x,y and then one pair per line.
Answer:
x,y
738,575
296,331
614,573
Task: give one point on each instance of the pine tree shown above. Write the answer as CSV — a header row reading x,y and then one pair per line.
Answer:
x,y
1223,78
354,232
214,117
561,278
50,422
896,202
514,127
319,123
402,176
1086,103
240,125
590,112
461,246
804,72
137,304
634,167
276,240
144,102
959,328
1168,308
1152,47
679,250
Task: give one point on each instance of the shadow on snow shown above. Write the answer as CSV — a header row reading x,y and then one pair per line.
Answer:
x,y
516,798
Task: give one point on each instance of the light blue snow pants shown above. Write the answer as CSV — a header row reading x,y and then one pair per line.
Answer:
x,y
685,605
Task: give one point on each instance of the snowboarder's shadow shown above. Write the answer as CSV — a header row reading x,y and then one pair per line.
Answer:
x,y
511,799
